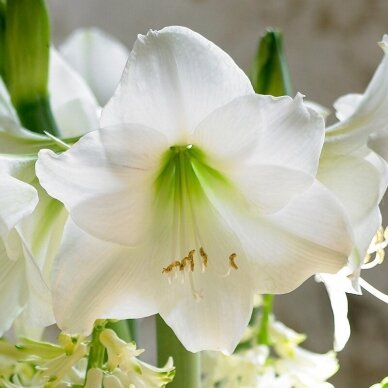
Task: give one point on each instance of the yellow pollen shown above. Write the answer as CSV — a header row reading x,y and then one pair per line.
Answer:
x,y
181,265
168,269
204,257
232,261
191,254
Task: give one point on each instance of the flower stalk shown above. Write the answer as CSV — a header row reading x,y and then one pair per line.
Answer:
x,y
187,364
26,66
263,334
97,350
2,37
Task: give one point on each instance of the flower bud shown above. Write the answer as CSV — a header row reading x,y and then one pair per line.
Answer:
x,y
269,72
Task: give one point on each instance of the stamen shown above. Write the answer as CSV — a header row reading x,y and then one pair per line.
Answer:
x,y
168,269
232,261
232,264
374,291
181,265
191,260
205,258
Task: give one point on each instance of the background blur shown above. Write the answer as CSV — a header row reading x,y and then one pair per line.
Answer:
x,y
331,49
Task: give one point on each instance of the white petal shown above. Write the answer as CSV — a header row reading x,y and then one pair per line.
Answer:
x,y
358,183
309,235
67,87
320,109
39,306
98,57
17,200
77,117
353,180
207,309
42,231
269,188
94,279
110,195
173,79
290,135
218,320
336,286
230,133
13,293
263,130
346,105
370,114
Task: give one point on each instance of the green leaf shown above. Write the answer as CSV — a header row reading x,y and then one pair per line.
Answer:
x,y
269,72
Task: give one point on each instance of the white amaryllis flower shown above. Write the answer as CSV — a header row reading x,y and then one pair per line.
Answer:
x,y
98,58
195,195
358,177
32,222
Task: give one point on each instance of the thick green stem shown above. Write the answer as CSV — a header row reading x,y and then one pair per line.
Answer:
x,y
187,364
97,350
263,334
36,115
2,37
26,56
133,329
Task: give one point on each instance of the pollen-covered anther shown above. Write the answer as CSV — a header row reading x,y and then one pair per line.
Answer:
x,y
181,264
204,257
232,261
169,268
232,264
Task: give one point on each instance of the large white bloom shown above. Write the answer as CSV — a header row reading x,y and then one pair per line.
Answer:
x,y
195,195
358,177
31,221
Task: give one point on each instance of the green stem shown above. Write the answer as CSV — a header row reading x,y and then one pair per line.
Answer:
x,y
36,115
97,350
133,329
187,364
263,334
2,37
26,56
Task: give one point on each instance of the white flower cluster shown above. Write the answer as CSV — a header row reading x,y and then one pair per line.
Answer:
x,y
282,364
39,364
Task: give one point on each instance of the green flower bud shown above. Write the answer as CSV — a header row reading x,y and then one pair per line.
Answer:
x,y
269,72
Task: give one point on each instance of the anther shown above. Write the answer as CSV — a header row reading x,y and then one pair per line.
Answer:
x,y
168,269
232,261
204,258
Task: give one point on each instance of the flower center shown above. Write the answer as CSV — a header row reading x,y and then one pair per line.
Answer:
x,y
184,189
